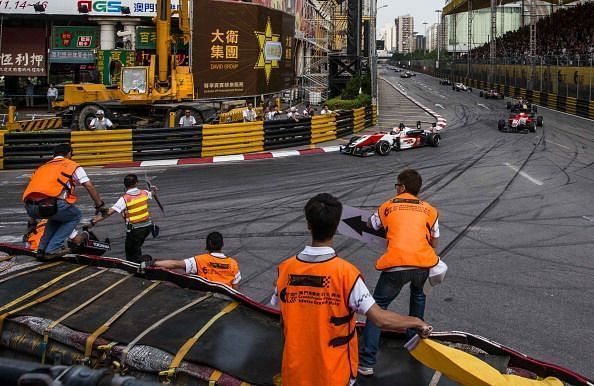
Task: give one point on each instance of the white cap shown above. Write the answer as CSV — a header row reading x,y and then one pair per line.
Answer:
x,y
293,108
100,112
436,276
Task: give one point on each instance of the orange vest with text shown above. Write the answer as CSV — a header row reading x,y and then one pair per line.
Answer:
x,y
320,347
137,207
217,269
34,237
408,222
51,179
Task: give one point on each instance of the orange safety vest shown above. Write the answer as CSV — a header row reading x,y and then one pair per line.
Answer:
x,y
217,269
408,222
320,346
52,178
136,207
35,236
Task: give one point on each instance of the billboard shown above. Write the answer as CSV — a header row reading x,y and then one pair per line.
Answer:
x,y
241,49
23,52
75,37
95,7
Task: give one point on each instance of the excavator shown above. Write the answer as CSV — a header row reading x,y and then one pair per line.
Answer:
x,y
147,96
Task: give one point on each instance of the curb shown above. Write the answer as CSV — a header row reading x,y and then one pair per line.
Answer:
x,y
223,158
441,121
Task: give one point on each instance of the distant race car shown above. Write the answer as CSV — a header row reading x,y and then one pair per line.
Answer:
x,y
399,138
445,82
461,87
405,75
521,122
522,106
490,94
411,73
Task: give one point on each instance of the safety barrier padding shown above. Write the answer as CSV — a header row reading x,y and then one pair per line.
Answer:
x,y
2,149
232,138
36,124
323,128
28,150
344,123
101,147
358,119
163,143
287,133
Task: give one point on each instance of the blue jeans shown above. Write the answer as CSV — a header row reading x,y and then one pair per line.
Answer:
x,y
387,288
58,227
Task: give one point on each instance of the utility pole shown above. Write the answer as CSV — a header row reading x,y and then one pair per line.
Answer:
x,y
439,25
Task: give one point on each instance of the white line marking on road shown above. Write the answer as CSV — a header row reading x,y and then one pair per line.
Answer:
x,y
524,174
591,219
226,158
558,144
162,162
11,239
286,153
330,149
438,105
482,105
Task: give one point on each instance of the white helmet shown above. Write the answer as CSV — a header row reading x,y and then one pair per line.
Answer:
x,y
100,112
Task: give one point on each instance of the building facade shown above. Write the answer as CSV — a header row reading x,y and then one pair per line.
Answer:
x,y
404,31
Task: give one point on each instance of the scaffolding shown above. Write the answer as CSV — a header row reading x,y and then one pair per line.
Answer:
x,y
319,40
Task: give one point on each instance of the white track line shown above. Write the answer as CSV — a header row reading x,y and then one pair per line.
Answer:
x,y
524,174
558,144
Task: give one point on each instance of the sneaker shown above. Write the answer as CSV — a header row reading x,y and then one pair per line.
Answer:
x,y
365,370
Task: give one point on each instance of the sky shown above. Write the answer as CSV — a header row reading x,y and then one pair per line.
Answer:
x,y
421,10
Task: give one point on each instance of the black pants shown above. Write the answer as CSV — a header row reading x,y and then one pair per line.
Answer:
x,y
134,240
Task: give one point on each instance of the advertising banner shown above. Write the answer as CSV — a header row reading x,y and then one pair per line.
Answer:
x,y
110,63
241,49
95,7
75,38
23,52
146,38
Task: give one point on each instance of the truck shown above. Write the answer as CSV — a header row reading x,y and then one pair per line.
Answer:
x,y
146,96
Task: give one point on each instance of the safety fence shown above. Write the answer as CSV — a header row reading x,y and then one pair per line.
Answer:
x,y
570,105
26,150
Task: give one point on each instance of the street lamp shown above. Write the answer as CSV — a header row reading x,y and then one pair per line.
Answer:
x,y
372,51
438,11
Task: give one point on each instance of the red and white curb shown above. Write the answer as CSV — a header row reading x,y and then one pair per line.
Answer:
x,y
224,158
441,121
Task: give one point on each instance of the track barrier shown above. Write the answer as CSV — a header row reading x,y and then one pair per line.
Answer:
x,y
27,150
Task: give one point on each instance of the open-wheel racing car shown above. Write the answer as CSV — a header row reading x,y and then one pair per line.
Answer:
x,y
491,94
461,87
399,138
445,82
520,122
522,106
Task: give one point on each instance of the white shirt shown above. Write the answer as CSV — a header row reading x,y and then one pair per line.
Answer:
x,y
360,300
187,121
193,269
249,115
120,204
52,92
100,124
325,111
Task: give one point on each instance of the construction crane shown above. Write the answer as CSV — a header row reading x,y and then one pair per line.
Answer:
x,y
150,96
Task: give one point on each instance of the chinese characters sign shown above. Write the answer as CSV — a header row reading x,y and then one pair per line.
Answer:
x,y
110,63
241,49
146,38
75,38
23,52
70,7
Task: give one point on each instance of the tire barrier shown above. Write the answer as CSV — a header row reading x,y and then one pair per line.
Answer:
x,y
232,138
160,143
27,150
579,107
287,133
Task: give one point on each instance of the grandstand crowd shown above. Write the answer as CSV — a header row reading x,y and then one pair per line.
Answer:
x,y
566,36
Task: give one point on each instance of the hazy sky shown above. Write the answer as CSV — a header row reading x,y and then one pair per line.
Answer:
x,y
421,10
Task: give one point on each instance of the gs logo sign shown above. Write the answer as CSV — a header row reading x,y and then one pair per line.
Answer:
x,y
108,6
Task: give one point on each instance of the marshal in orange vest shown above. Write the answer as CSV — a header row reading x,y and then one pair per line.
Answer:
x,y
217,269
319,327
34,237
51,179
137,207
408,222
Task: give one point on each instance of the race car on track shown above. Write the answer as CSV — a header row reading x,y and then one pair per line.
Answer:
x,y
405,75
399,138
490,94
522,106
445,82
520,122
461,87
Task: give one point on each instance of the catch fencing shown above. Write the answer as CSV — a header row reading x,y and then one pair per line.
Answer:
x,y
27,150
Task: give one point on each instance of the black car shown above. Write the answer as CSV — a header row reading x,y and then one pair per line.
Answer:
x,y
445,82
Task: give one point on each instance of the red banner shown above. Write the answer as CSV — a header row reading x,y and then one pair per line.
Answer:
x,y
24,52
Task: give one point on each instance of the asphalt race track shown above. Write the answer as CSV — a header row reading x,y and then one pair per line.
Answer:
x,y
516,215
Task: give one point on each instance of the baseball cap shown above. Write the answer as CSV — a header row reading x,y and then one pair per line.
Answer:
x,y
100,112
436,276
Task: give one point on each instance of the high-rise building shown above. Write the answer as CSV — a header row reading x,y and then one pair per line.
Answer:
x,y
405,26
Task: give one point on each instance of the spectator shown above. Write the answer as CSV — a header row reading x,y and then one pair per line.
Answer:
x,y
293,114
52,96
29,93
325,110
100,122
276,113
249,114
187,120
308,111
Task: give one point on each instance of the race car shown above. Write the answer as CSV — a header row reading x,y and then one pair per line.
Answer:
x,y
399,138
405,75
461,87
521,122
490,94
445,82
522,106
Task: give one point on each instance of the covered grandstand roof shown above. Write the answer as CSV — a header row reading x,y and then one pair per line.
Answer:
x,y
458,6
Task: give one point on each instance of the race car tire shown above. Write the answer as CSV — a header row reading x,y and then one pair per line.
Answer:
x,y
508,105
501,124
534,109
453,87
481,94
532,127
539,121
383,148
433,140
